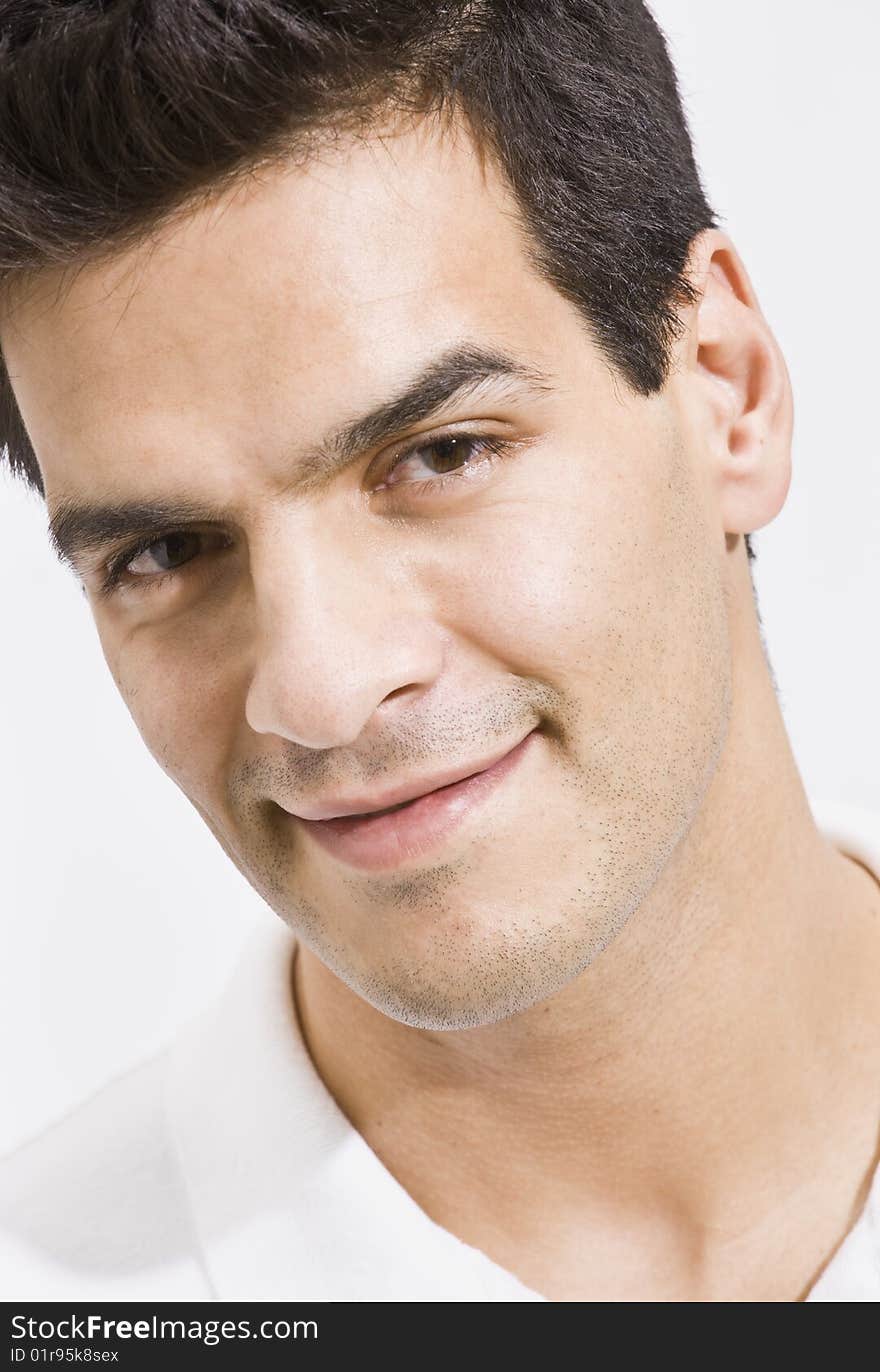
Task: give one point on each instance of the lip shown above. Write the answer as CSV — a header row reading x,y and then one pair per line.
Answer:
x,y
377,842
396,795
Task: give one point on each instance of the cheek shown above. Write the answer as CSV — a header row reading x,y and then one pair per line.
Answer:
x,y
555,582
607,589
185,700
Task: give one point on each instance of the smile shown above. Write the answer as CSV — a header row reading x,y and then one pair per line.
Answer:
x,y
384,839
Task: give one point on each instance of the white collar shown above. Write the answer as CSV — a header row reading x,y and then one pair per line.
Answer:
x,y
288,1200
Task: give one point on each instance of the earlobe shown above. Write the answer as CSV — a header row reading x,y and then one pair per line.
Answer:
x,y
740,385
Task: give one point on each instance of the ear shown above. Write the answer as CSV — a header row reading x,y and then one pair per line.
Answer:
x,y
735,385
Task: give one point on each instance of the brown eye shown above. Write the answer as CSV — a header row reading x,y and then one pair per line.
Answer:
x,y
448,453
166,554
154,562
446,456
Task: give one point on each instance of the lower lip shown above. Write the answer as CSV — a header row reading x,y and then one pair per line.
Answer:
x,y
379,842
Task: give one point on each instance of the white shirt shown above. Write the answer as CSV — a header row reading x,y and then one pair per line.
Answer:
x,y
221,1168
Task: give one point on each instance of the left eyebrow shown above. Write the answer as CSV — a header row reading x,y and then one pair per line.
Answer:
x,y
79,528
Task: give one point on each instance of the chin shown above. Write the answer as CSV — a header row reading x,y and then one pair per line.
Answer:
x,y
468,989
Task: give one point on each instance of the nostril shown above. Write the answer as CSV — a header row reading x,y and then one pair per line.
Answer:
x,y
399,691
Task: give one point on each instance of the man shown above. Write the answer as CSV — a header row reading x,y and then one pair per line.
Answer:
x,y
404,413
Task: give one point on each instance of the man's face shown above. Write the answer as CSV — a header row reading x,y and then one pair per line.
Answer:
x,y
322,641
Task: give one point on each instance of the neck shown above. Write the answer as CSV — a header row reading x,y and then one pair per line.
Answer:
x,y
728,1037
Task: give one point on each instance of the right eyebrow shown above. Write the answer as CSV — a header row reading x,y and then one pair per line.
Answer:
x,y
78,528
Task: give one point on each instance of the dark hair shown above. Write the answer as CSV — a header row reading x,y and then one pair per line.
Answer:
x,y
117,114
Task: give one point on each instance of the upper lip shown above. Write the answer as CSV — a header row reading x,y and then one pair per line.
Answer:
x,y
336,807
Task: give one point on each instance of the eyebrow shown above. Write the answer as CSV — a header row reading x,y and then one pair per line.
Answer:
x,y
78,528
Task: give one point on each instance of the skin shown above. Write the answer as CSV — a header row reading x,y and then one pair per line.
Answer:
x,y
621,1031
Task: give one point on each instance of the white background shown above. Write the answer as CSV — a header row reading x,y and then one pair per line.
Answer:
x,y
121,914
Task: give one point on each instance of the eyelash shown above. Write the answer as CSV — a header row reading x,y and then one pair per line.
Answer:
x,y
491,448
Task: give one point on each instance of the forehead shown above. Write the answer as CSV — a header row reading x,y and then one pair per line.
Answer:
x,y
259,308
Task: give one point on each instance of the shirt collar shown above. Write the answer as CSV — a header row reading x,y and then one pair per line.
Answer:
x,y
288,1200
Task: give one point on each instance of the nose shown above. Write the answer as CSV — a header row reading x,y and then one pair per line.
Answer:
x,y
340,630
